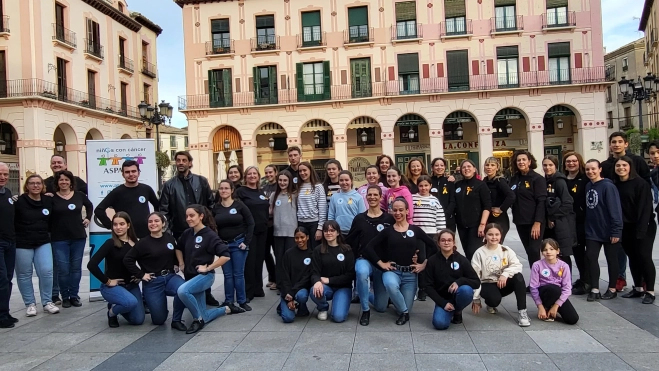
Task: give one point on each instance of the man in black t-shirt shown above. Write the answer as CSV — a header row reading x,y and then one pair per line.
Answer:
x,y
294,157
7,248
58,163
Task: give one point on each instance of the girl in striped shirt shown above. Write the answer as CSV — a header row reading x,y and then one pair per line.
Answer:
x,y
311,203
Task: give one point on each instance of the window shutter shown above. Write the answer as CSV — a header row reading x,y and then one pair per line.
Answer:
x,y
219,25
406,11
426,71
408,63
358,16
504,2
392,73
212,86
440,69
299,75
556,3
559,50
454,8
526,64
265,21
578,60
90,35
272,79
457,65
541,63
327,81
475,67
228,92
507,52
256,82
490,66
310,19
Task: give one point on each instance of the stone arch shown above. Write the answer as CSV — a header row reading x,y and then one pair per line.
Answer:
x,y
268,131
65,133
9,135
222,132
506,118
457,120
93,134
126,136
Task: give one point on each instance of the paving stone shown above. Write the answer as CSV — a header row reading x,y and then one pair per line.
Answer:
x,y
254,362
74,362
321,327
382,361
15,341
272,322
126,361
318,362
604,321
234,323
423,323
641,361
332,342
566,341
518,362
626,341
449,362
213,342
587,362
106,342
502,342
269,342
381,322
383,342
193,361
443,342
161,340
56,342
490,322
24,361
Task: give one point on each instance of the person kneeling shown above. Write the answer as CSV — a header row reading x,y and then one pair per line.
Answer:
x,y
551,285
296,278
451,282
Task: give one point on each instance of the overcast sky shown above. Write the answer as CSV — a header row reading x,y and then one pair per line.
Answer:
x,y
620,22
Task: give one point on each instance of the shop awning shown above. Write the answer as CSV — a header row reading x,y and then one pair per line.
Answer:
x,y
559,110
411,120
508,114
458,117
223,133
270,128
316,125
363,122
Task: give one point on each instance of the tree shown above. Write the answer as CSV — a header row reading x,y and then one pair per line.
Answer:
x,y
634,138
162,163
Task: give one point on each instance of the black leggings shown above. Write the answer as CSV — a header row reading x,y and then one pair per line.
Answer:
x,y
430,251
639,252
492,294
470,240
592,255
269,259
503,221
531,246
254,266
549,294
282,244
311,227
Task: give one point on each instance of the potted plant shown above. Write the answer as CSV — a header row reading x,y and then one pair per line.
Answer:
x,y
48,94
84,102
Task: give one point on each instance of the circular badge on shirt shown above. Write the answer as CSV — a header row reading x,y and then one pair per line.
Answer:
x,y
495,258
142,199
232,211
198,239
455,265
72,206
262,197
545,272
295,180
340,201
10,200
307,261
45,212
340,257
380,227
363,191
278,203
514,187
457,190
170,246
432,203
433,190
410,233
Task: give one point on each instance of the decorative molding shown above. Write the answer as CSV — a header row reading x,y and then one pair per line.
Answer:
x,y
384,136
436,134
483,95
536,127
245,111
434,98
340,138
247,143
197,24
593,124
204,146
337,105
293,141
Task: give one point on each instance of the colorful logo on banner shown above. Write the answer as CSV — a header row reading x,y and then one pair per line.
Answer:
x,y
112,158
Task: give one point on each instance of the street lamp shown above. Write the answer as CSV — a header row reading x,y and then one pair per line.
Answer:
x,y
271,142
364,137
3,146
640,90
411,133
316,139
509,128
459,130
227,144
59,147
559,123
156,116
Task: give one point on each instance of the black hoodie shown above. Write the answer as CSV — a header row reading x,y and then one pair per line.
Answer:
x,y
636,202
531,193
441,272
445,193
577,188
471,197
560,211
641,167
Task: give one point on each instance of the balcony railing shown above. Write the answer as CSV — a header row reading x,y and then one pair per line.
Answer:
x,y
265,43
311,39
64,35
406,31
126,64
610,73
507,24
431,85
653,36
558,20
41,88
149,69
219,47
4,24
455,28
94,48
358,34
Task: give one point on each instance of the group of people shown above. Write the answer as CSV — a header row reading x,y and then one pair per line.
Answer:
x,y
388,242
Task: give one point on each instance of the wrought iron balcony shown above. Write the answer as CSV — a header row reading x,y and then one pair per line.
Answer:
x,y
358,34
149,69
265,43
4,24
506,24
219,47
126,63
64,35
559,20
410,31
456,28
94,48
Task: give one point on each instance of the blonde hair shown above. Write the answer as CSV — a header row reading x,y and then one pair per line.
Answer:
x,y
494,160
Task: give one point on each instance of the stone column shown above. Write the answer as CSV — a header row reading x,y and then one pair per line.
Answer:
x,y
436,145
592,139
388,144
341,149
249,153
536,143
485,144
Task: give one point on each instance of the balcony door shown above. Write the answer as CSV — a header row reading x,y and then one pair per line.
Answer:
x,y
265,85
3,74
61,79
361,77
219,88
59,21
91,88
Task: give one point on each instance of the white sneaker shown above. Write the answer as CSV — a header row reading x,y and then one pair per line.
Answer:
x,y
31,310
492,310
50,308
322,315
523,318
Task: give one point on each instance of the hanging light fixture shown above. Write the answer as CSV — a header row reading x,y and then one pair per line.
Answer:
x,y
59,147
411,133
3,146
227,144
271,142
559,123
509,128
459,131
316,139
364,137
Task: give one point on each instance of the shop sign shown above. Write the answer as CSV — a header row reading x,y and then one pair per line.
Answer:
x,y
417,147
357,167
13,166
460,145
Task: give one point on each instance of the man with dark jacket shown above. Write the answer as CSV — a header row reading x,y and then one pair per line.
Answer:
x,y
7,248
58,163
178,193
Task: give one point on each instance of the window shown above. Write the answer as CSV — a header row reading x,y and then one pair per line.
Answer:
x,y
265,85
59,21
625,64
7,134
325,139
91,88
172,141
559,63
185,141
145,53
172,154
280,144
3,74
457,67
456,22
221,36
627,122
370,136
124,98
358,24
121,7
311,28
265,32
609,118
507,63
220,93
504,12
404,136
548,123
313,81
557,13
408,73
360,75
147,93
123,61
406,20
609,98
61,79
93,41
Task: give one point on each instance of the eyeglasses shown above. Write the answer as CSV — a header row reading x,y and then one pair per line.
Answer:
x,y
445,241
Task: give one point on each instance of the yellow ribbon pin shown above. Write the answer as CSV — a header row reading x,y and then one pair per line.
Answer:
x,y
527,184
504,261
574,189
444,191
350,201
560,272
469,189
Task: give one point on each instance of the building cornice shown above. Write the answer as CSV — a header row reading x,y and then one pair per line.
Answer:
x,y
115,14
146,22
182,3
645,15
626,49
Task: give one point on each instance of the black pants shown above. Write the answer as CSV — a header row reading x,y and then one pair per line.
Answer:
x,y
579,251
7,264
639,252
470,240
492,294
592,255
269,259
531,246
549,294
282,244
254,265
503,221
450,223
311,227
430,251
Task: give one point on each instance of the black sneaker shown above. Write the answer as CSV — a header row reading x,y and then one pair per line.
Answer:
x,y
648,298
421,295
365,318
178,325
12,318
355,300
235,309
633,293
279,310
196,325
113,322
6,323
246,307
75,302
593,296
608,295
66,303
528,289
211,301
457,318
302,311
403,318
579,288
56,300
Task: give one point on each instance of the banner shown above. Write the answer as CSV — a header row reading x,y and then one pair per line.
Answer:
x,y
104,159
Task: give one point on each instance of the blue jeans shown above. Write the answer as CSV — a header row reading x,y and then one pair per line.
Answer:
x,y
340,302
234,274
461,299
7,265
155,294
55,291
68,258
301,297
193,295
125,300
42,259
401,287
379,298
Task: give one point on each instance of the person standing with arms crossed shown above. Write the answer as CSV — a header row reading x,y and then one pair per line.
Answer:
x,y
7,248
181,191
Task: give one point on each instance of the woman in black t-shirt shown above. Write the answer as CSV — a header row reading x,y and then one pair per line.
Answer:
x,y
122,292
235,226
68,237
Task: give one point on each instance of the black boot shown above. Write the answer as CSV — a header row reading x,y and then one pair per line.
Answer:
x,y
210,300
403,318
113,321
421,295
197,325
365,318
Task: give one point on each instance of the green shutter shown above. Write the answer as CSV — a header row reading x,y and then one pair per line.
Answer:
x,y
507,52
212,88
559,50
272,79
504,2
256,82
327,81
358,16
310,19
454,8
219,25
299,74
556,3
457,68
228,92
406,11
408,63
265,21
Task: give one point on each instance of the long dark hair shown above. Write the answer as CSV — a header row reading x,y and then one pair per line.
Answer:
x,y
403,178
327,180
68,175
240,171
290,189
313,177
432,165
162,217
324,247
513,162
632,170
380,158
130,232
208,219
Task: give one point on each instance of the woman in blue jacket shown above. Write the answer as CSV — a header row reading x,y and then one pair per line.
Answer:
x,y
345,204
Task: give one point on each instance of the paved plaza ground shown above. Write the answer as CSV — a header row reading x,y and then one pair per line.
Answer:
x,y
621,334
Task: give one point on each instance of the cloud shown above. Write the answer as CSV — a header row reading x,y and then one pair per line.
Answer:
x,y
620,21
